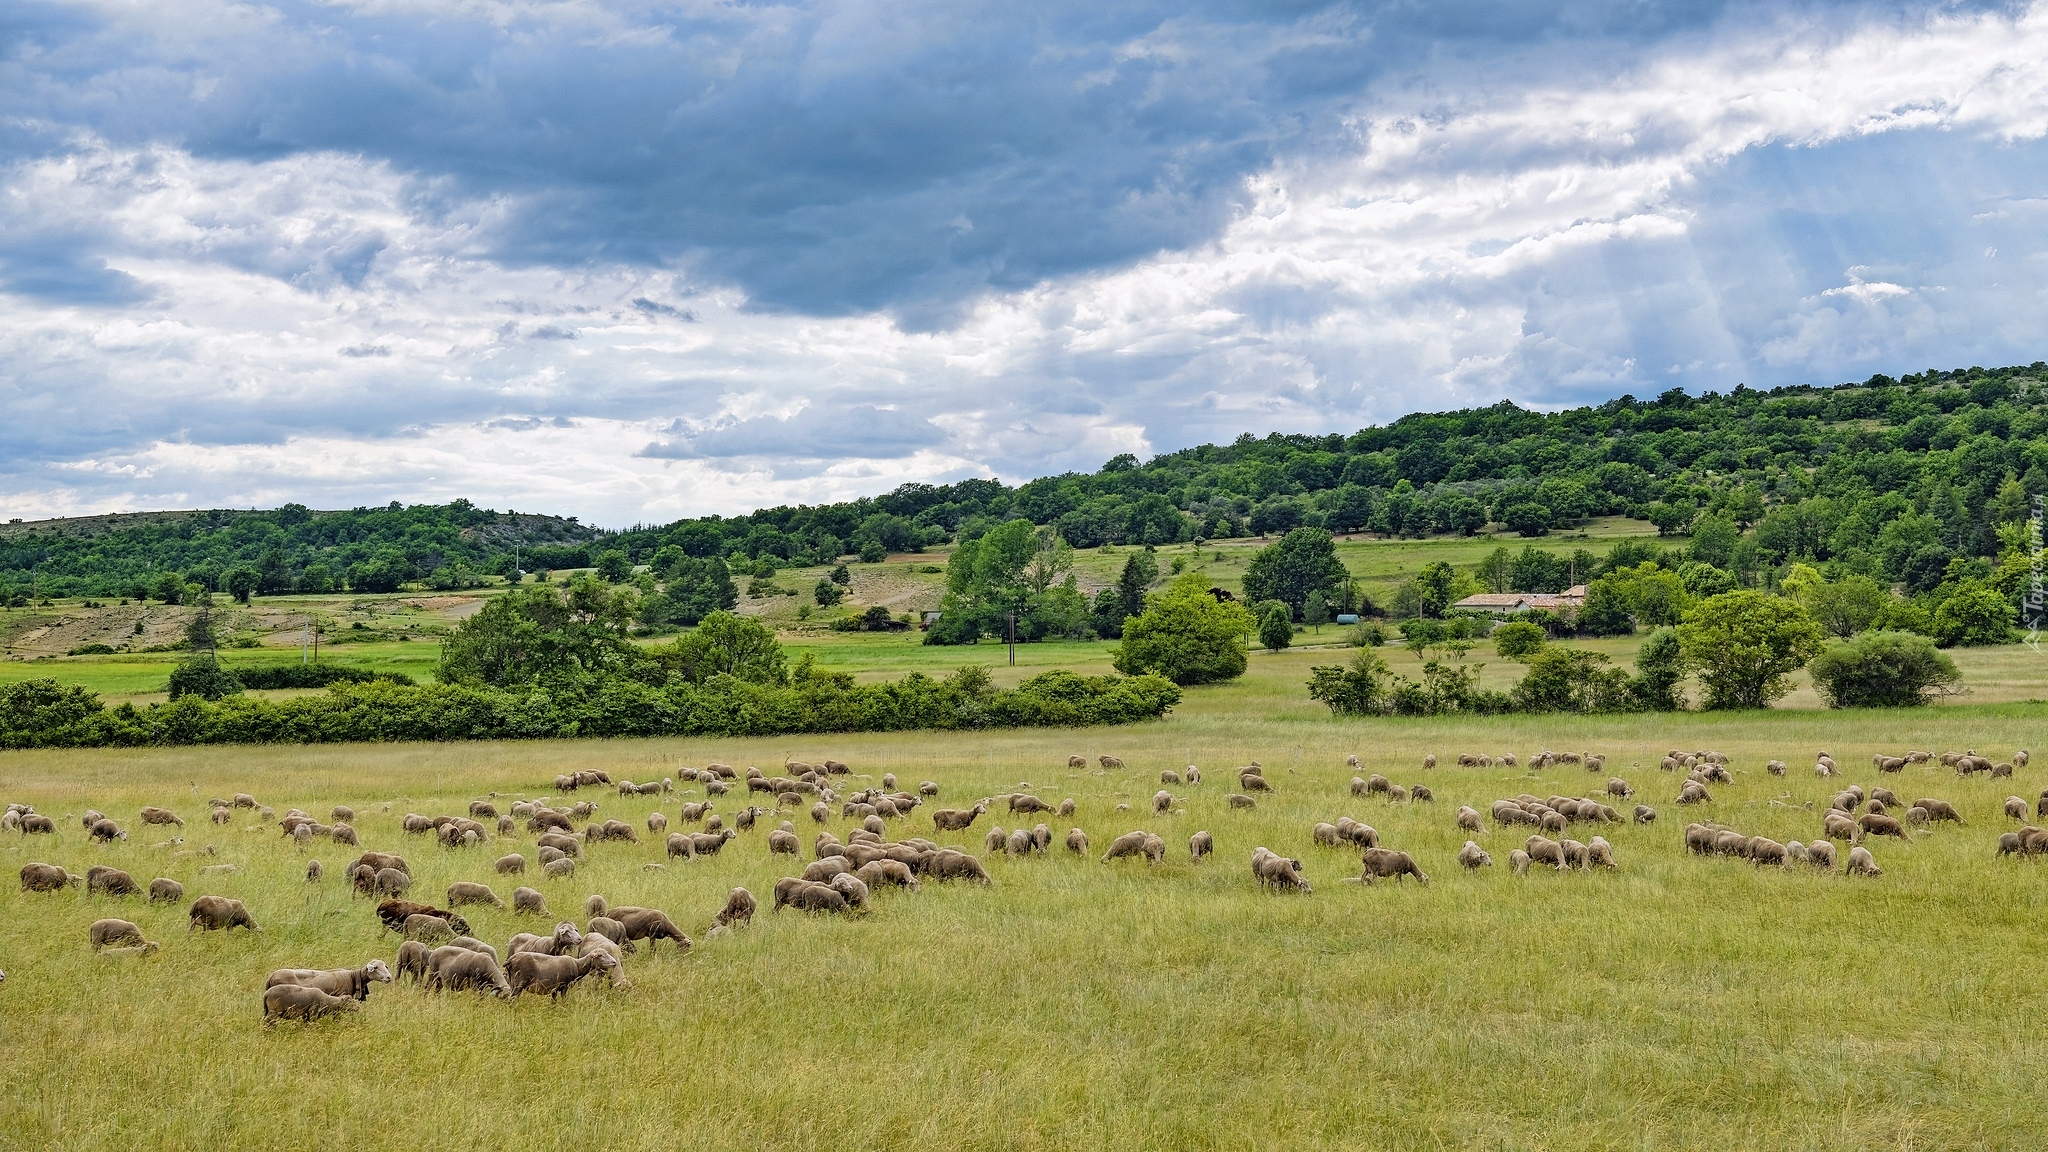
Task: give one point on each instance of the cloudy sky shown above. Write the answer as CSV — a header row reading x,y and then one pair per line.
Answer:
x,y
640,260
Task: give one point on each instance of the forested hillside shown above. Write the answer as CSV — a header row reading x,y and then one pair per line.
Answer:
x,y
289,549
1891,478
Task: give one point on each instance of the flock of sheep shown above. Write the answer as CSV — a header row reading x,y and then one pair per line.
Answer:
x,y
438,953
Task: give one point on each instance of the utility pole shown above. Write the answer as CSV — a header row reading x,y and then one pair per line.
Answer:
x,y
1012,617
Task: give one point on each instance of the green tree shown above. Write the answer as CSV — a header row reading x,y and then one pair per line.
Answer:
x,y
1438,586
1526,518
1713,540
1883,670
1606,611
242,582
1846,606
613,566
695,589
201,675
1745,645
827,593
1276,631
1287,570
727,645
841,576
1496,571
1315,612
1126,598
1186,635
1660,666
1518,639
540,634
1973,614
1570,680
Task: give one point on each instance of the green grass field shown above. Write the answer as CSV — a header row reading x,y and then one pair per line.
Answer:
x,y
1675,1003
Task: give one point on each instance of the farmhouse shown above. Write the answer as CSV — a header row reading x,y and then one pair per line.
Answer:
x,y
1509,603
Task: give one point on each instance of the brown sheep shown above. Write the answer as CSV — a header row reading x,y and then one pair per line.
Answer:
x,y
1544,850
1600,854
349,983
1325,835
512,865
957,819
1019,843
104,933
823,870
1077,842
37,824
2016,808
1128,844
881,873
852,888
421,926
1820,853
2008,843
554,975
1240,800
161,816
298,1002
1693,793
1278,872
455,969
561,942
1874,824
951,864
1645,814
106,832
465,892
1763,850
1861,863
164,890
1077,761
412,960
650,924
218,913
1383,862
739,908
1473,856
784,843
1519,861
1616,786
560,869
392,882
1025,802
1939,809
1114,763
112,881
529,902
1468,819
1162,801
996,840
1201,844
1252,781
1169,776
809,897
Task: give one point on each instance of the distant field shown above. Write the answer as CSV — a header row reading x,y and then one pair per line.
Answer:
x,y
1678,1002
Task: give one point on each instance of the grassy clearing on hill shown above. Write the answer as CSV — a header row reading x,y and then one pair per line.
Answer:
x,y
1678,1002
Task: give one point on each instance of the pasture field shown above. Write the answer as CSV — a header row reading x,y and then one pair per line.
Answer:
x,y
1677,1002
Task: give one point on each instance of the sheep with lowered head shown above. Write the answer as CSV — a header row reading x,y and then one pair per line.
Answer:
x,y
1278,872
300,1002
1473,856
1862,863
1077,842
1200,845
218,913
554,975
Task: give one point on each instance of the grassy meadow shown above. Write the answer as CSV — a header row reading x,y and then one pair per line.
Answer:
x,y
1676,1002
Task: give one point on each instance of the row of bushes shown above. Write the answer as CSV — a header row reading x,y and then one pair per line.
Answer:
x,y
46,714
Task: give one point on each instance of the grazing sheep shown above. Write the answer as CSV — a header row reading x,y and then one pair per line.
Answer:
x,y
161,816
420,926
455,969
1277,872
822,870
1019,843
106,832
1519,861
1201,844
1128,844
1616,786
2008,843
1861,863
298,1002
529,902
1576,855
37,824
1077,761
465,892
1600,854
554,975
1796,851
164,890
957,819
1693,793
1325,835
1915,815
952,864
1162,801
783,842
218,913
1077,842
995,840
1469,820
314,871
1875,824
1192,776
2016,808
1763,850
104,933
852,888
559,869
1645,814
348,983
1253,782
1384,862
392,882
1429,761
1169,776
512,865
1111,762
1358,785
1542,849
739,908
1473,856
111,881
1240,800
1939,809
808,897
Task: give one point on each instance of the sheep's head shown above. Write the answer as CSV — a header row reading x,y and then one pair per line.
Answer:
x,y
376,970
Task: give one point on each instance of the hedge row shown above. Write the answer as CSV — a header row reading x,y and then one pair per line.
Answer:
x,y
46,714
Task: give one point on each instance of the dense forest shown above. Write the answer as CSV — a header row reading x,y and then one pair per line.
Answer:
x,y
1888,478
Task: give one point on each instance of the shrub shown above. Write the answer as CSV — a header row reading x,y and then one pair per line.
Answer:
x,y
1276,632
1883,670
1300,563
1357,690
827,593
1186,635
1517,639
202,676
1660,665
1570,680
91,650
266,676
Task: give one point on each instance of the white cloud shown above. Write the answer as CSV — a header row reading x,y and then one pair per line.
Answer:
x,y
326,328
